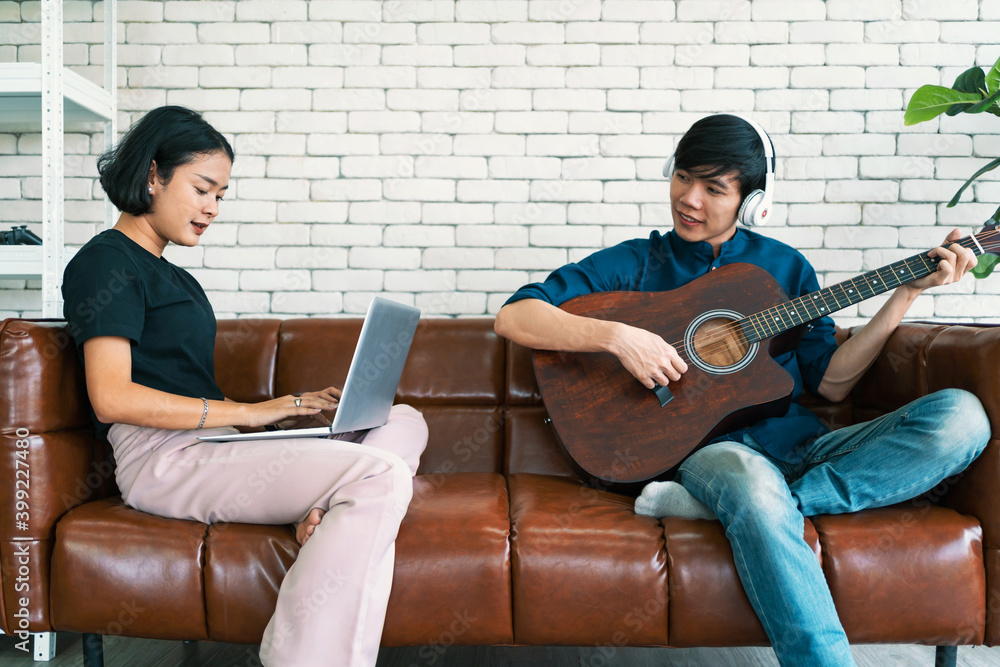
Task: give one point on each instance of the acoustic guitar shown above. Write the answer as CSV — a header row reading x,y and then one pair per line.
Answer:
x,y
617,431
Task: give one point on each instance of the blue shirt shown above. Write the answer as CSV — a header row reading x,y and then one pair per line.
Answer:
x,y
662,263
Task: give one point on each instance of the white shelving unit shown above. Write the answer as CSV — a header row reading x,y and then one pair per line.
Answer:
x,y
21,262
47,95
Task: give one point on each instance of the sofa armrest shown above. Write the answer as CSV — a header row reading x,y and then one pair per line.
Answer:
x,y
968,357
921,358
50,458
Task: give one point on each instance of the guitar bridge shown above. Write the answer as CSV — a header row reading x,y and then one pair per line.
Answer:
x,y
662,394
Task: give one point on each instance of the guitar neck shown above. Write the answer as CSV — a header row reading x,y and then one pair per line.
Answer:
x,y
785,316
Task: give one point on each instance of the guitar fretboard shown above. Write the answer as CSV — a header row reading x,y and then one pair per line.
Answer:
x,y
809,307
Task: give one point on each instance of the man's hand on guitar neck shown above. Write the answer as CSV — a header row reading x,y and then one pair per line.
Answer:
x,y
955,262
858,353
542,326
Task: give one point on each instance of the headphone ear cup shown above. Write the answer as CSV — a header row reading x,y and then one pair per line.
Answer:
x,y
668,168
748,209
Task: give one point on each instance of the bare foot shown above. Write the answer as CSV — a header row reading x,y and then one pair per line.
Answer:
x,y
304,530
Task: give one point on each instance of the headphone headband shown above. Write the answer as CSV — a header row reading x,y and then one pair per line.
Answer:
x,y
756,207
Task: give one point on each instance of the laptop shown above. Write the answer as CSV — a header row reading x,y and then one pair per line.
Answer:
x,y
372,379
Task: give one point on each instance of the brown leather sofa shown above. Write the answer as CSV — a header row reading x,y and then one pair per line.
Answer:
x,y
502,544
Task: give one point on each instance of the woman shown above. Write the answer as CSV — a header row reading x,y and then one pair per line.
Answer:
x,y
145,333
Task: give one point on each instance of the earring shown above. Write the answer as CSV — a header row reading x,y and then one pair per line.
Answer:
x,y
150,190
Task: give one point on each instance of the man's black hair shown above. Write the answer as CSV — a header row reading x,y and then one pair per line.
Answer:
x,y
171,136
719,144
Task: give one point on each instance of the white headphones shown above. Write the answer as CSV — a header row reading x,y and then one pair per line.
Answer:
x,y
757,205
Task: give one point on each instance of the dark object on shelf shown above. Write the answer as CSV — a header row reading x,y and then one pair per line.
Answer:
x,y
19,236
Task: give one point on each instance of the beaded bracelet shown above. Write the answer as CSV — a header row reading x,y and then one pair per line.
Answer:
x,y
204,413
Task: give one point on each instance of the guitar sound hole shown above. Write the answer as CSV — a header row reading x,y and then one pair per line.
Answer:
x,y
720,343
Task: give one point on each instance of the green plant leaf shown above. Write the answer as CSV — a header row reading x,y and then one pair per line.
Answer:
x,y
931,101
989,167
993,78
984,105
985,266
971,80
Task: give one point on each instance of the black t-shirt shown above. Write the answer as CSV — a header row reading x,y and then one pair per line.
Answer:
x,y
115,287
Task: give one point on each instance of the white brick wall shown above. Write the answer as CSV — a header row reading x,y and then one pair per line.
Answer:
x,y
446,152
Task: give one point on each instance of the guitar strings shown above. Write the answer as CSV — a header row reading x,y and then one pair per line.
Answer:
x,y
715,340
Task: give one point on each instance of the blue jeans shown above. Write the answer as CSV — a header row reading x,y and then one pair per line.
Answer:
x,y
761,502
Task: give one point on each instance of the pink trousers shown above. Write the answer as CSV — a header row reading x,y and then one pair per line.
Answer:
x,y
331,604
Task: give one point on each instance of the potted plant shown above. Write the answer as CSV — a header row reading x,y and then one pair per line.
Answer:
x,y
974,91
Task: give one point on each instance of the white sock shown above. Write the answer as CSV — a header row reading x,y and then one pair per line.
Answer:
x,y
660,499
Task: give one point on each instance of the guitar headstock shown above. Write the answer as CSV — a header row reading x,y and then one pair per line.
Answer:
x,y
989,237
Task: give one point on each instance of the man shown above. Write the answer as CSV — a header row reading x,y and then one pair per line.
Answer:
x,y
762,480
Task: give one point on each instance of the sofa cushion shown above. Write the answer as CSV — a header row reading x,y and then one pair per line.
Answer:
x,y
899,374
452,564
532,446
314,354
462,438
451,362
43,388
963,357
244,566
245,358
907,573
452,581
451,577
708,606
522,388
119,571
454,375
587,570
454,362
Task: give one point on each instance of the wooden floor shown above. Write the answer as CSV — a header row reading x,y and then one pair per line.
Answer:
x,y
122,652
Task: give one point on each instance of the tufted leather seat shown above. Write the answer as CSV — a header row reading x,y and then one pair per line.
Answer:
x,y
502,543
